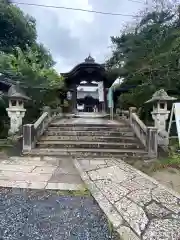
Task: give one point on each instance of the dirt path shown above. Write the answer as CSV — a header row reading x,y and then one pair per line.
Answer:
x,y
169,177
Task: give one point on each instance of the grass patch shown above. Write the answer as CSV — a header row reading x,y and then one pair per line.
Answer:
x,y
110,227
112,231
173,161
81,193
169,162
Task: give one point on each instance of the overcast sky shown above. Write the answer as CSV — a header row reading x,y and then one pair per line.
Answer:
x,y
72,35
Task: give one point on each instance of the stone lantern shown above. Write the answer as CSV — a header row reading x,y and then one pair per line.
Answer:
x,y
16,110
160,111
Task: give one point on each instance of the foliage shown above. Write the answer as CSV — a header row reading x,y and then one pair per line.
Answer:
x,y
147,56
23,59
82,192
169,163
17,29
28,67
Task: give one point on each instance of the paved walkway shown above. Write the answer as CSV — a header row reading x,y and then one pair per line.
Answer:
x,y
137,205
39,173
45,172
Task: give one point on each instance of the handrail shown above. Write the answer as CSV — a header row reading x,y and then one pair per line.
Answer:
x,y
138,127
40,120
147,135
32,132
139,121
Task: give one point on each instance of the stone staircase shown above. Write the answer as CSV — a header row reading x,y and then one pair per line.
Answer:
x,y
85,139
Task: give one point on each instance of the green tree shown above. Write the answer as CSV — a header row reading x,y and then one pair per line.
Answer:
x,y
150,57
29,68
17,29
22,58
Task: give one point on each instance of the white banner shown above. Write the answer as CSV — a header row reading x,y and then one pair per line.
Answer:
x,y
101,91
110,98
177,118
176,113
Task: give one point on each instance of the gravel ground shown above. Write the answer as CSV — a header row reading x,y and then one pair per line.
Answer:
x,y
36,215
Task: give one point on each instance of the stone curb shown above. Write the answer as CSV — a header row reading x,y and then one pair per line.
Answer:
x,y
41,185
103,203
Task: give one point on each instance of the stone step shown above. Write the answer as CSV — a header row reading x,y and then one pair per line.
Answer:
x,y
92,128
85,144
123,139
127,133
90,153
92,115
85,125
102,125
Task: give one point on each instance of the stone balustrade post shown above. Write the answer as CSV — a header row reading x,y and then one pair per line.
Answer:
x,y
28,137
131,110
152,142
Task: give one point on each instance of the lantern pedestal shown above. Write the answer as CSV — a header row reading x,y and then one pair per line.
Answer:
x,y
16,116
160,116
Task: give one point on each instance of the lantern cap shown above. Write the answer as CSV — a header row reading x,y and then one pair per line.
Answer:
x,y
161,95
15,92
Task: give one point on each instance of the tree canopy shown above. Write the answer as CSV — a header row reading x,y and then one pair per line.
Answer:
x,y
148,56
17,29
21,56
24,59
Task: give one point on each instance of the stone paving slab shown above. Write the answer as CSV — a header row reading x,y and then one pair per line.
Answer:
x,y
46,169
15,168
137,205
63,186
40,173
59,177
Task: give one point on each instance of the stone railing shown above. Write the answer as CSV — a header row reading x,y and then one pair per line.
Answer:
x,y
32,132
147,135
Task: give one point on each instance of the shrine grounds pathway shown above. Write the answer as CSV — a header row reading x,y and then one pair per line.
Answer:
x,y
136,205
40,173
